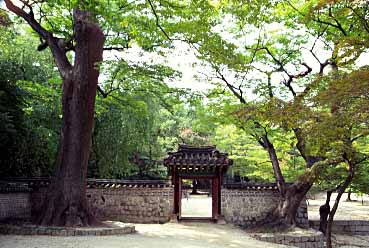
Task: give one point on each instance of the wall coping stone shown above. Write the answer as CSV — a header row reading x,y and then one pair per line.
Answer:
x,y
359,227
252,185
28,184
308,238
8,187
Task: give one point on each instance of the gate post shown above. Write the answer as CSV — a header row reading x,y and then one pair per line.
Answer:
x,y
175,181
215,196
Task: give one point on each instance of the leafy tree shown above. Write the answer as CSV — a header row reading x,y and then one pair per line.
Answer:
x,y
66,204
23,150
83,28
11,116
129,123
272,64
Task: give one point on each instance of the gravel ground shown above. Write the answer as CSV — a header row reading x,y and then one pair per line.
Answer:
x,y
187,235
351,241
193,235
354,210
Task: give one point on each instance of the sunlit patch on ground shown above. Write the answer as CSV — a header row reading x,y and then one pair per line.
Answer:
x,y
354,210
197,206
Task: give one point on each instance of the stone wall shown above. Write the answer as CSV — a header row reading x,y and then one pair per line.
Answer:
x,y
304,240
137,205
14,202
126,204
149,202
246,207
357,227
15,205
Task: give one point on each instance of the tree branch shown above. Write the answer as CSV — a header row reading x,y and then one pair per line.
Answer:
x,y
288,82
157,20
361,17
296,76
118,48
275,163
28,18
105,94
58,52
232,88
310,160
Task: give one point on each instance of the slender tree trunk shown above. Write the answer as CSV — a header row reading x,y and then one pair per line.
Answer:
x,y
66,204
281,184
324,212
194,187
349,196
341,190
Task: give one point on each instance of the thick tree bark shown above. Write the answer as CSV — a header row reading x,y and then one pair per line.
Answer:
x,y
285,213
291,195
66,204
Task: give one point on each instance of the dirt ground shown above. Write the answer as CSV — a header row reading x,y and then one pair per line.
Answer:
x,y
354,210
358,209
196,206
350,241
195,235
179,235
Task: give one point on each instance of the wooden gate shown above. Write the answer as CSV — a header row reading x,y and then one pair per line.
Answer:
x,y
197,163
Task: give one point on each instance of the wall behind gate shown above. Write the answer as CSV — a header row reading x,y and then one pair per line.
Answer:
x,y
137,205
249,205
14,202
152,203
126,204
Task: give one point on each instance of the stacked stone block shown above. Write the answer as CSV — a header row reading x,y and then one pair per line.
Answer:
x,y
303,241
64,231
357,227
247,207
14,205
136,205
126,204
14,202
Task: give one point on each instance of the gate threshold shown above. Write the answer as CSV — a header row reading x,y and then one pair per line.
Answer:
x,y
197,219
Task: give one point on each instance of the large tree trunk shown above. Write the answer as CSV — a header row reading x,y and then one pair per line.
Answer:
x,y
291,195
66,204
285,214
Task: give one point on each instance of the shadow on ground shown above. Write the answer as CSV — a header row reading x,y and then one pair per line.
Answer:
x,y
187,235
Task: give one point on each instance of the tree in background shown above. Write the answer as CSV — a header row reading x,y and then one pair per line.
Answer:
x,y
81,28
27,124
273,64
140,115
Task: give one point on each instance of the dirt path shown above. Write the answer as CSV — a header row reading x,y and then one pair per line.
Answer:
x,y
187,235
196,206
354,210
